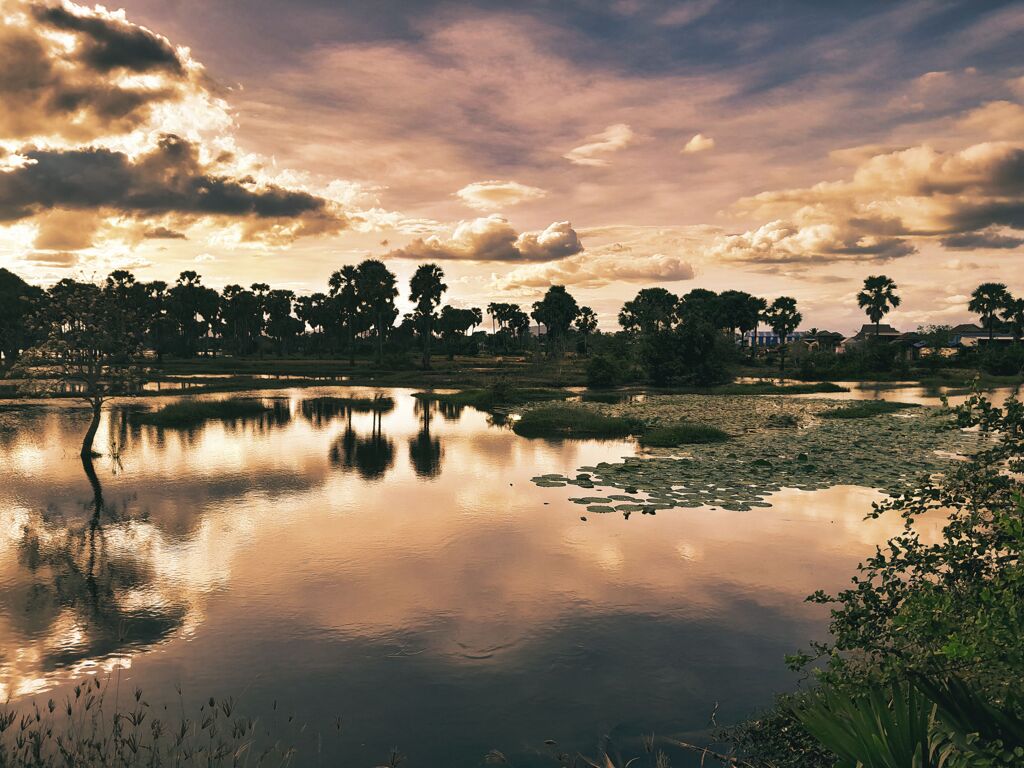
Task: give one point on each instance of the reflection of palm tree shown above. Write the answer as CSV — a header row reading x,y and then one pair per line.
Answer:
x,y
371,457
425,450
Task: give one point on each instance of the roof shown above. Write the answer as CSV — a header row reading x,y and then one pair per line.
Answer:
x,y
967,328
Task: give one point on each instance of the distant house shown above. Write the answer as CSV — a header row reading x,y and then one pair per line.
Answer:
x,y
869,331
970,335
768,338
825,341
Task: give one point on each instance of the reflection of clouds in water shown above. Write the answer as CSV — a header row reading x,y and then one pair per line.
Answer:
x,y
265,554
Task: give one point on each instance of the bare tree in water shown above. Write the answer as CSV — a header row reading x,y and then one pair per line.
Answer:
x,y
89,348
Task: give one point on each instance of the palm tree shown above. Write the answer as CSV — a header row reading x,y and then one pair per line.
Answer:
x,y
783,318
375,287
586,324
425,288
877,298
343,289
987,300
1013,315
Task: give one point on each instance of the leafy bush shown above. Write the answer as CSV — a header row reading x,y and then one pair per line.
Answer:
x,y
604,371
1002,360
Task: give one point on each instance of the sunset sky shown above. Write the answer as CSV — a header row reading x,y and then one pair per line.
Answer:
x,y
775,147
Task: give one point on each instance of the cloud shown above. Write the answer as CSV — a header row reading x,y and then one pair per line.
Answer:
x,y
492,238
893,200
494,195
163,233
618,254
699,143
108,43
61,259
68,73
611,139
595,270
169,179
969,241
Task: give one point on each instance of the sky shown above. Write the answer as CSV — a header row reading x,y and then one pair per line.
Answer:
x,y
780,147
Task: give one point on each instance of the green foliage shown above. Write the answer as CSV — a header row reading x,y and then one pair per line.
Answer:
x,y
604,371
865,409
1002,360
189,413
573,421
694,353
682,433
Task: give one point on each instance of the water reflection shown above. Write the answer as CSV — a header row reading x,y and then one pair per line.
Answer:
x,y
425,449
291,558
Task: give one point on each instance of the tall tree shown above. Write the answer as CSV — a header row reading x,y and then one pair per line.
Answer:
x,y
650,311
700,303
243,318
877,298
586,324
376,289
1013,316
18,300
343,288
158,323
425,289
751,316
282,326
783,318
89,343
455,323
988,300
735,311
556,312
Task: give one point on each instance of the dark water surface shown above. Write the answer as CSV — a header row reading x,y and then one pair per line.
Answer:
x,y
402,572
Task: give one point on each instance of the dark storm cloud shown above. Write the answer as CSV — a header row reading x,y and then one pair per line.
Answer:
x,y
969,241
107,44
169,179
49,90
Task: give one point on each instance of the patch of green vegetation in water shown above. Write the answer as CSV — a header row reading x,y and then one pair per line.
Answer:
x,y
684,433
885,453
572,421
866,409
495,396
189,413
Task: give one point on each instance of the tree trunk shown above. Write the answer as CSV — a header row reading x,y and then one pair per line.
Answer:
x,y
426,346
90,434
351,345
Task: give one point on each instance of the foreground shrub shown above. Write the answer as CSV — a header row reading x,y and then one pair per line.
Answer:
x,y
91,729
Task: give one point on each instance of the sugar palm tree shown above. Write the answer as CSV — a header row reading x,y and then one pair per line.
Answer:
x,y
375,286
783,318
343,290
586,324
1013,315
425,289
877,298
988,300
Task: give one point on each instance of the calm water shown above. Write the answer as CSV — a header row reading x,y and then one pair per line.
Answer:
x,y
400,571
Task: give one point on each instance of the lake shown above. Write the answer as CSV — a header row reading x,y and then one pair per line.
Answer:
x,y
402,572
